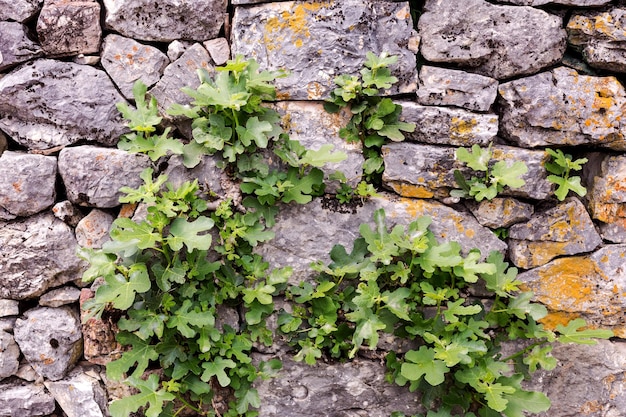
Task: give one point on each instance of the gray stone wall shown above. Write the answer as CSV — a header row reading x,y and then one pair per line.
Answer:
x,y
522,74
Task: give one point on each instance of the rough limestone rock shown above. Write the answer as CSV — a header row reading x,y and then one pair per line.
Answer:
x,y
18,10
219,49
181,73
313,127
60,297
500,212
497,41
9,308
449,87
67,212
126,61
37,253
69,28
356,388
589,380
448,126
307,233
9,355
601,37
592,287
93,230
15,45
426,171
20,399
317,41
30,184
565,229
49,103
166,20
93,176
50,339
562,108
210,177
79,394
578,3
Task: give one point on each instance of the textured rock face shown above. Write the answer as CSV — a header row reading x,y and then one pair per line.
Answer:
x,y
592,287
9,355
93,176
15,46
126,61
37,253
31,188
50,339
41,106
165,21
606,179
562,108
566,229
496,41
578,3
18,399
356,389
79,394
500,212
18,10
316,41
69,28
93,230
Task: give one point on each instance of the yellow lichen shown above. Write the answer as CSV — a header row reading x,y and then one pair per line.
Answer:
x,y
461,128
412,191
294,22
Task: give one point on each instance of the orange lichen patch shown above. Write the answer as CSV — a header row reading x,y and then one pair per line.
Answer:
x,y
412,191
127,210
283,95
295,22
542,252
403,13
314,90
554,318
17,186
461,128
591,407
414,207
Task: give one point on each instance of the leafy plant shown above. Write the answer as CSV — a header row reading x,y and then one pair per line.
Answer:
x,y
560,166
492,178
404,283
374,118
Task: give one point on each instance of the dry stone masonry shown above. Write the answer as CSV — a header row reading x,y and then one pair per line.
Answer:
x,y
522,75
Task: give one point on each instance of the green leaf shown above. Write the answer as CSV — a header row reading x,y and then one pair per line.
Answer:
x,y
250,398
367,326
217,368
540,357
149,393
188,233
144,323
141,234
521,306
521,401
155,146
446,255
185,317
394,130
101,263
565,185
470,268
212,131
120,291
303,186
509,175
254,131
572,333
324,155
503,281
455,308
396,302
145,117
477,159
261,292
422,363
139,356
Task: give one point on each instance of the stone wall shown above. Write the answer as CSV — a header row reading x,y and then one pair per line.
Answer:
x,y
523,74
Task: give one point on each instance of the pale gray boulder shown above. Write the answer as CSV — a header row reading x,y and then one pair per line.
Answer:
x,y
500,212
576,3
563,108
166,20
20,399
29,186
93,176
67,212
126,61
496,41
60,297
50,339
9,308
93,230
317,41
19,10
15,45
38,253
80,393
47,103
9,355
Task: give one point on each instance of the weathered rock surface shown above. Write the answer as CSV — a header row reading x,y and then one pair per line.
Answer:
x,y
317,41
99,344
9,355
497,41
357,388
181,73
166,20
500,212
448,126
50,339
29,186
50,103
19,399
426,171
589,381
449,87
15,45
208,174
93,176
93,230
219,49
565,229
79,394
307,233
562,108
18,10
601,37
37,253
126,61
592,287
67,212
308,123
9,308
578,3
60,297
69,28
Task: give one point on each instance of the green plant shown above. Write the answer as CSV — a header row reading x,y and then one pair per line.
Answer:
x,y
374,118
560,166
403,282
492,178
347,194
